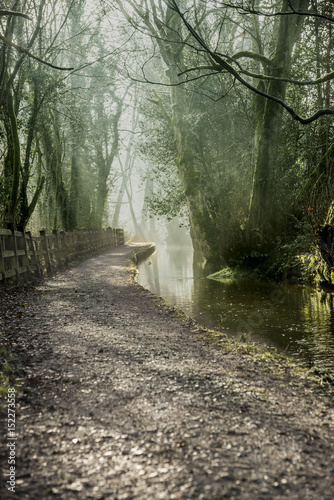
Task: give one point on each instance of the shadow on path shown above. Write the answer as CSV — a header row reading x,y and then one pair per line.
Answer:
x,y
123,400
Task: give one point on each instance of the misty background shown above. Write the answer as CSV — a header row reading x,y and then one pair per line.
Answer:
x,y
201,122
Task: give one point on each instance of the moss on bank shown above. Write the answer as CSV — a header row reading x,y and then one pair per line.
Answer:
x,y
304,269
231,274
277,363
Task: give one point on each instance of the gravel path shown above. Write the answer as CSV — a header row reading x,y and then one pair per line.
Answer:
x,y
124,400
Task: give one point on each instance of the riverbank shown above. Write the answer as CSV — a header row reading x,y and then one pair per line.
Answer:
x,y
126,397
294,319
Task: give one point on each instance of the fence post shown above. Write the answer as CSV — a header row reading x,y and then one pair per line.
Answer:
x,y
45,251
119,237
15,259
25,257
69,246
108,242
2,259
66,246
62,250
35,261
57,257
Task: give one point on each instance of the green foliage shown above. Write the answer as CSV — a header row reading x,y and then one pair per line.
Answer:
x,y
167,201
167,197
59,116
203,142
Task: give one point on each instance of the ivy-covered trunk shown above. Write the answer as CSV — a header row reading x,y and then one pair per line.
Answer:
x,y
52,151
12,168
263,212
187,142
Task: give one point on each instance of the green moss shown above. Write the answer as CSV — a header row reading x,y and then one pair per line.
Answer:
x,y
229,274
278,364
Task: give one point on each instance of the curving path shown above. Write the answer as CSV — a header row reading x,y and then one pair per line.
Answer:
x,y
124,400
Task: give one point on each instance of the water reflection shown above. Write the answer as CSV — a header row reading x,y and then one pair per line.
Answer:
x,y
290,317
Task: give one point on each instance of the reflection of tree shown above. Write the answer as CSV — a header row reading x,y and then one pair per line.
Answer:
x,y
289,317
177,236
318,316
150,270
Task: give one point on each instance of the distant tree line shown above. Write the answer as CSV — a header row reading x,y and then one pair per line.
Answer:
x,y
60,108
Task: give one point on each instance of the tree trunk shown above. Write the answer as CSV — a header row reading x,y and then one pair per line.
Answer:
x,y
105,157
115,219
74,189
201,230
12,163
52,151
263,213
190,175
26,208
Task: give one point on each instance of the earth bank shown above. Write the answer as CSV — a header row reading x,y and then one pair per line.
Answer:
x,y
124,397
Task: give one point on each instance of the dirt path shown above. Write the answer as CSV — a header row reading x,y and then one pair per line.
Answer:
x,y
124,400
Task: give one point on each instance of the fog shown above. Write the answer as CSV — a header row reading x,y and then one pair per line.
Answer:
x,y
169,120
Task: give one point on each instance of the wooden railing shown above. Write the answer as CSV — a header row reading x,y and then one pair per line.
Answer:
x,y
26,256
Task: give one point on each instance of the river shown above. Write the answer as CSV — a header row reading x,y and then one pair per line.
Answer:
x,y
293,318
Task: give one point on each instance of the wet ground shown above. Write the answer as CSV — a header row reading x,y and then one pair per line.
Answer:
x,y
123,398
296,319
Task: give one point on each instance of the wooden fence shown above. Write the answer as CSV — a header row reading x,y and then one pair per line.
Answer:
x,y
26,256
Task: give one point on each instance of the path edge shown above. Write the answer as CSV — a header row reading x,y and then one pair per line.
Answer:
x,y
280,365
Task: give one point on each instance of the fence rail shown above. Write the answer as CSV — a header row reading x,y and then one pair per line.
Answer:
x,y
26,256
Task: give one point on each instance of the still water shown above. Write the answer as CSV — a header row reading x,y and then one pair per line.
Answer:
x,y
293,318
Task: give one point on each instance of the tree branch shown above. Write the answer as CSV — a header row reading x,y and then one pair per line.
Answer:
x,y
213,67
29,54
5,12
224,65
19,62
292,12
251,55
322,79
